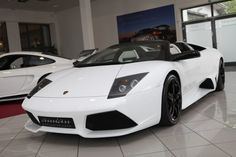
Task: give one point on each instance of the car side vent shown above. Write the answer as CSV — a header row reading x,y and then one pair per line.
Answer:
x,y
207,84
31,116
109,121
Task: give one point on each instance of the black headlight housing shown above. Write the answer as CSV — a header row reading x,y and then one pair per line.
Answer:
x,y
123,85
40,85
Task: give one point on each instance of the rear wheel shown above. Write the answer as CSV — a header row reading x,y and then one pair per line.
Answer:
x,y
171,101
221,77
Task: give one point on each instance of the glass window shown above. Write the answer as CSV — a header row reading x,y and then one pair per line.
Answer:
x,y
3,38
23,61
12,62
35,37
197,13
225,8
39,60
128,53
3,62
16,64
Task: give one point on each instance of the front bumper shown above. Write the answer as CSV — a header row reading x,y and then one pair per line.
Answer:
x,y
143,109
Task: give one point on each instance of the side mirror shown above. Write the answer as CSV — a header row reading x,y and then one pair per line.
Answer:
x,y
186,55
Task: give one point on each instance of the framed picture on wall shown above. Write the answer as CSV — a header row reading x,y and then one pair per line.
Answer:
x,y
152,24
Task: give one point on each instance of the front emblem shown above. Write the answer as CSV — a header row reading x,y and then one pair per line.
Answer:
x,y
65,92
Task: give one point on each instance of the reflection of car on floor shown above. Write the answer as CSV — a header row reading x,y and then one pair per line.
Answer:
x,y
162,32
125,88
21,71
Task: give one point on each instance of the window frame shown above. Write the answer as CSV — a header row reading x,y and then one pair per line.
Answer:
x,y
29,47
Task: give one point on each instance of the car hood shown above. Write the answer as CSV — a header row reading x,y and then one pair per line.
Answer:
x,y
81,82
97,81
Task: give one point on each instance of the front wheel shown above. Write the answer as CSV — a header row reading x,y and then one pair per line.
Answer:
x,y
171,101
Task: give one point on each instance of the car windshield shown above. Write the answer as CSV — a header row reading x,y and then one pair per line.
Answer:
x,y
126,53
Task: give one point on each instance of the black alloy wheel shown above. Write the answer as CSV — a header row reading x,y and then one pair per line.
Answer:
x,y
171,101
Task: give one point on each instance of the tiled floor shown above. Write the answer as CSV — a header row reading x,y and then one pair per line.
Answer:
x,y
207,129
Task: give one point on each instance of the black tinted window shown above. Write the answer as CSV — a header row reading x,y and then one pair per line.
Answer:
x,y
23,61
39,60
3,62
11,62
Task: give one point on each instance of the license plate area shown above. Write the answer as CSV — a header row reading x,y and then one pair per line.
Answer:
x,y
57,122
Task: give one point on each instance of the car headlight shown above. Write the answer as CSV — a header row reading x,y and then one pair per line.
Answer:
x,y
40,85
123,85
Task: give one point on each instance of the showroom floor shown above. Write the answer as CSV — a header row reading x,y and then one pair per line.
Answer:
x,y
207,128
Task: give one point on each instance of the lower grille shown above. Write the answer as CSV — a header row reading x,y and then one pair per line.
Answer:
x,y
109,121
57,122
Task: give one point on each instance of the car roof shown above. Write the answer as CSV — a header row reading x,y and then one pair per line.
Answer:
x,y
23,52
35,54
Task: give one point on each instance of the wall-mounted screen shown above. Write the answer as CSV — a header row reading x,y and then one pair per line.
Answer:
x,y
152,24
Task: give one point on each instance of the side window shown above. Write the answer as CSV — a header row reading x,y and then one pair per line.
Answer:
x,y
3,62
128,56
39,60
14,62
17,63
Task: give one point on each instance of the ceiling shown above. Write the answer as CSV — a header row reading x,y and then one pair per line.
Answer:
x,y
39,5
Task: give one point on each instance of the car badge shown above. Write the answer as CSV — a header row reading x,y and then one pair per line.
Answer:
x,y
65,92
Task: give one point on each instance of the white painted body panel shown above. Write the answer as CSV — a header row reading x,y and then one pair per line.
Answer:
x,y
15,82
89,88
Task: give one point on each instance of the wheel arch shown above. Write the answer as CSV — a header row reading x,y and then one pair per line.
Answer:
x,y
174,72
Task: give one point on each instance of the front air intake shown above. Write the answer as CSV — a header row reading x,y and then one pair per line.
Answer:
x,y
109,121
33,119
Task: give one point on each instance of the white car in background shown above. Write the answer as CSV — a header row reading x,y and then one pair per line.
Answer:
x,y
20,72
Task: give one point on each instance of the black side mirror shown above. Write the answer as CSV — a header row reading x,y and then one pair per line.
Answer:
x,y
186,55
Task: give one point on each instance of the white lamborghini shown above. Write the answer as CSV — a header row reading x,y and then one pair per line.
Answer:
x,y
21,71
125,88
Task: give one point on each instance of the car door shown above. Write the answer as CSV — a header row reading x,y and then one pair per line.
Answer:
x,y
37,66
192,69
12,75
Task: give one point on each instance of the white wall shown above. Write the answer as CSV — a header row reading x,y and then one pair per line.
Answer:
x,y
70,32
13,17
105,13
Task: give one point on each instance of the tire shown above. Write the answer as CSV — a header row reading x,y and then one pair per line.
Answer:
x,y
171,101
221,77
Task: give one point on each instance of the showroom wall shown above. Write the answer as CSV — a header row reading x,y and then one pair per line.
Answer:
x,y
12,17
70,32
105,13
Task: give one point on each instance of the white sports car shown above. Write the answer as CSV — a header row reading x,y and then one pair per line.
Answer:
x,y
125,88
21,71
